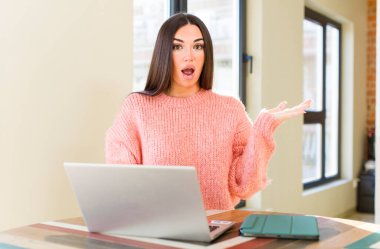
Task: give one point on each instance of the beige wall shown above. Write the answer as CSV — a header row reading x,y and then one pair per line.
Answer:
x,y
64,69
275,39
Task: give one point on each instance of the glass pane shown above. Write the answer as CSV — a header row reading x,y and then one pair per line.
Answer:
x,y
332,100
221,20
148,16
312,156
312,53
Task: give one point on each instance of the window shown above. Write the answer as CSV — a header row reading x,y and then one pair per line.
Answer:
x,y
220,17
145,31
321,131
224,21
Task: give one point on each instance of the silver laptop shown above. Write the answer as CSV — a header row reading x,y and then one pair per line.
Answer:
x,y
149,201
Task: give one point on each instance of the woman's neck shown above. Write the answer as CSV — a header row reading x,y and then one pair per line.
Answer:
x,y
182,92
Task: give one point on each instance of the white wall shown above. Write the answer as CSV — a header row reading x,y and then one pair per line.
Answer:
x,y
64,68
275,38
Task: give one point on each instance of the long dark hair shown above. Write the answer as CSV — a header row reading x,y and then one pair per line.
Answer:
x,y
160,70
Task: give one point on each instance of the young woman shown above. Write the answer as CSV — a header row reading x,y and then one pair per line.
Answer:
x,y
178,120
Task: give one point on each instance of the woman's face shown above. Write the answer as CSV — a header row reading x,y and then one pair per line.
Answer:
x,y
188,59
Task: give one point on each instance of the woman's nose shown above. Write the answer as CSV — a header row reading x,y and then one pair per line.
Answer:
x,y
189,56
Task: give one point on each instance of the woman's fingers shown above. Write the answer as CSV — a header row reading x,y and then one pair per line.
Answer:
x,y
284,114
279,107
300,108
306,104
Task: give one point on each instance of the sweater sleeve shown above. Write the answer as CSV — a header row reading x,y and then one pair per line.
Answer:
x,y
252,149
122,145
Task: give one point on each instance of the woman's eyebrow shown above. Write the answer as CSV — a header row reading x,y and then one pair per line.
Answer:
x,y
176,39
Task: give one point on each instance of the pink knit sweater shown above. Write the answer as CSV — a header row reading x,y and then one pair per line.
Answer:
x,y
208,131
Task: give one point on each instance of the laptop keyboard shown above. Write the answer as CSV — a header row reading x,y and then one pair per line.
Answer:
x,y
212,228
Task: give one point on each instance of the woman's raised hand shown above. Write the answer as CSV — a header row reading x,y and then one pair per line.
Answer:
x,y
282,113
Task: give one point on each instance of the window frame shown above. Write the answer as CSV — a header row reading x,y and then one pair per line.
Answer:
x,y
319,117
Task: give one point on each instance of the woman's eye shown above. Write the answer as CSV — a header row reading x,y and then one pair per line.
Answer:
x,y
176,47
198,47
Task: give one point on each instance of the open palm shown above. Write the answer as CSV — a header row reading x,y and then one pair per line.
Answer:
x,y
282,113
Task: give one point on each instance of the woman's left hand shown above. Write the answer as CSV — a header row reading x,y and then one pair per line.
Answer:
x,y
282,113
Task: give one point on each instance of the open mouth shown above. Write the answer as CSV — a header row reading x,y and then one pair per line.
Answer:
x,y
188,71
